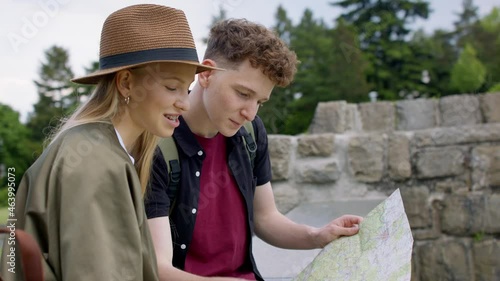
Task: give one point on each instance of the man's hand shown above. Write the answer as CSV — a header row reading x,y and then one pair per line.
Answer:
x,y
345,225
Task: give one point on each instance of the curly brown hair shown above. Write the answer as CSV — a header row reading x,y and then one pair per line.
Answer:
x,y
232,41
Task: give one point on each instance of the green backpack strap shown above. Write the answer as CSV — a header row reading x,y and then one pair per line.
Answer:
x,y
249,142
171,156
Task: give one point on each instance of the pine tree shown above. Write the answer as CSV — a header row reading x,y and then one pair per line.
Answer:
x,y
349,65
383,29
275,111
468,73
55,91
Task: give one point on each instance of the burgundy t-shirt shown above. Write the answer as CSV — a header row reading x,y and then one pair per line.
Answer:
x,y
220,239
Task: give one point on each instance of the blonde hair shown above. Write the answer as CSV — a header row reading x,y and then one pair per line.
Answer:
x,y
102,106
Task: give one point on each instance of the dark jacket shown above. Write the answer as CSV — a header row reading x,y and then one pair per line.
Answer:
x,y
191,157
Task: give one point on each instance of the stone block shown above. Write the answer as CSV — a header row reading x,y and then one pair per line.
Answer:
x,y
377,116
317,171
417,209
487,260
353,119
398,157
485,167
445,260
439,162
280,148
471,214
459,110
286,196
316,145
366,157
490,103
416,114
491,219
457,135
330,117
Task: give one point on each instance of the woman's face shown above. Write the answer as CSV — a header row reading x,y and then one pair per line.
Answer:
x,y
158,96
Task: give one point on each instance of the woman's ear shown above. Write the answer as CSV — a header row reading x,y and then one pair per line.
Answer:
x,y
204,77
123,79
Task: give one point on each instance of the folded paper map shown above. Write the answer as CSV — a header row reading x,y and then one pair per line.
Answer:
x,y
380,251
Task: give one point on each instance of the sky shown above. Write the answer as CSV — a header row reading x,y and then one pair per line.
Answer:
x,y
29,27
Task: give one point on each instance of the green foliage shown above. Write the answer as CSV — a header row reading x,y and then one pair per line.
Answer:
x,y
311,40
486,41
275,111
479,236
4,202
16,148
494,89
383,28
468,74
464,26
349,65
56,93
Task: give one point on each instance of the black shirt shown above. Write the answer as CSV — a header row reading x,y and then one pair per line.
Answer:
x,y
191,155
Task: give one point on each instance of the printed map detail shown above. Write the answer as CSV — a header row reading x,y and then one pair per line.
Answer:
x,y
380,251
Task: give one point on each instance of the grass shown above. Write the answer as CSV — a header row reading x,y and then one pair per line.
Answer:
x,y
4,215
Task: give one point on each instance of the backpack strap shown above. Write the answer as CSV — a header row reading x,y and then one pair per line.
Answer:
x,y
171,156
249,142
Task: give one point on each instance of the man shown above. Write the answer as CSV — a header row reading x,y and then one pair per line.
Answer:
x,y
221,200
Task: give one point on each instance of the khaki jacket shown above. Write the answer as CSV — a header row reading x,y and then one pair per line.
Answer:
x,y
82,202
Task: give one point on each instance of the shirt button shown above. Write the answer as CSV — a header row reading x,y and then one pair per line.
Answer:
x,y
200,153
183,246
197,173
193,211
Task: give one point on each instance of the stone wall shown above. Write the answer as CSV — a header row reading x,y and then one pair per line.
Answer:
x,y
443,154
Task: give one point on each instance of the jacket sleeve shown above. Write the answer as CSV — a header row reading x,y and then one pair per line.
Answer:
x,y
156,200
262,164
100,217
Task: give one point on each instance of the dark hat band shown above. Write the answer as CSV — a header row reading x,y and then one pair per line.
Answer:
x,y
163,54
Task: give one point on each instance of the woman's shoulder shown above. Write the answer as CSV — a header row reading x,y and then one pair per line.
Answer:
x,y
93,141
93,132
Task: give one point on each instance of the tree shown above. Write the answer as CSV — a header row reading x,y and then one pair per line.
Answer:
x,y
468,74
311,40
349,65
215,19
428,69
465,24
485,39
57,95
383,28
275,111
83,92
55,75
16,150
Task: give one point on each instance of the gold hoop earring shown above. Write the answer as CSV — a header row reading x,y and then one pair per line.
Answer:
x,y
127,100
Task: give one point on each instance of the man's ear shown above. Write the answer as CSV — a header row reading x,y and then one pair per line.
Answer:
x,y
123,79
204,77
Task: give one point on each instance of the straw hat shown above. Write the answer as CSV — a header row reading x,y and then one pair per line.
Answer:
x,y
142,34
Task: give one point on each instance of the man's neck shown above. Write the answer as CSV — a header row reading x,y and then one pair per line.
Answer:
x,y
196,117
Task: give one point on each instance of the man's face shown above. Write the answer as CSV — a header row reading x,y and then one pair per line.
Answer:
x,y
233,97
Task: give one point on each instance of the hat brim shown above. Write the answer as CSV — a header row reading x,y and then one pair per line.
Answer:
x,y
95,77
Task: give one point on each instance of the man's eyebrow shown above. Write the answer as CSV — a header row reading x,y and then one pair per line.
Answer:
x,y
245,88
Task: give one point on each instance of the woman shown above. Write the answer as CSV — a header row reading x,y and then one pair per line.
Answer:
x,y
82,199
